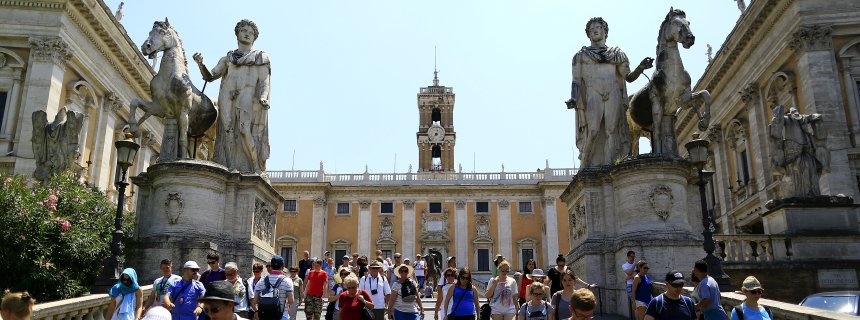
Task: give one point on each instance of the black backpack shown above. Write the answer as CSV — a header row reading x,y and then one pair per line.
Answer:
x,y
408,289
486,310
270,298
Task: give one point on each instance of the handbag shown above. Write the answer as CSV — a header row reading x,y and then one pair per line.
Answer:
x,y
365,312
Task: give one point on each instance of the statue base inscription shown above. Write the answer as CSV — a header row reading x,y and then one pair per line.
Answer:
x,y
189,208
647,204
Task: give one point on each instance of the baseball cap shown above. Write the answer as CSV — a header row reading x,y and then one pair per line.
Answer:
x,y
345,257
277,262
451,258
675,276
190,265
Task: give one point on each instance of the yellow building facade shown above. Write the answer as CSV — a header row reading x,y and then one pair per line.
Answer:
x,y
471,216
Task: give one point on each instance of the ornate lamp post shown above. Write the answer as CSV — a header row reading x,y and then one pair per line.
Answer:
x,y
698,150
126,151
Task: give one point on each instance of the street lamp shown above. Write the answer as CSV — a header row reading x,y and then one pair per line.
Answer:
x,y
126,151
698,150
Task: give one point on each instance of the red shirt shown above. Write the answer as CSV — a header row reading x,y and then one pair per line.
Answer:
x,y
316,280
524,284
350,307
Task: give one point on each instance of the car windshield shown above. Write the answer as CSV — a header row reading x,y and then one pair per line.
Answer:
x,y
842,304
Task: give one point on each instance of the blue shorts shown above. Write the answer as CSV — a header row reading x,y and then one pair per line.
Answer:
x,y
420,282
714,314
400,315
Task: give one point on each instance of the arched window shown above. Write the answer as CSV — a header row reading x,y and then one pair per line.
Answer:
x,y
436,116
436,161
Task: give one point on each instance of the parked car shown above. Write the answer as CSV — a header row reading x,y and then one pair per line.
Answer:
x,y
847,302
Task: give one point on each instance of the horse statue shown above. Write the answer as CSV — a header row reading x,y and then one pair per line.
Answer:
x,y
434,267
174,97
654,107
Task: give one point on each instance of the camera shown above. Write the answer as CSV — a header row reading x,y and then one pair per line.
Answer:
x,y
373,292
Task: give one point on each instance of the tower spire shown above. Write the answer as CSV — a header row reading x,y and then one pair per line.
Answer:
x,y
435,69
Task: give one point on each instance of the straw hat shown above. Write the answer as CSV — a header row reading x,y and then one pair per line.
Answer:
x,y
536,273
337,278
407,266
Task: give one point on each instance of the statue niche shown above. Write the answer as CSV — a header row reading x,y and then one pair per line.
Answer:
x,y
55,144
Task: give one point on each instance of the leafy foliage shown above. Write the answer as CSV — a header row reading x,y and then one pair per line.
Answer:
x,y
53,236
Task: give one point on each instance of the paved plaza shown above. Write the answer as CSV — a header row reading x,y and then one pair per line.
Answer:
x,y
429,304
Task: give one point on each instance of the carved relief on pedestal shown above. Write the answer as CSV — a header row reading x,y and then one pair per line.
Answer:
x,y
577,222
662,201
264,221
173,207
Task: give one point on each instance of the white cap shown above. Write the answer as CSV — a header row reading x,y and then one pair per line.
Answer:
x,y
190,265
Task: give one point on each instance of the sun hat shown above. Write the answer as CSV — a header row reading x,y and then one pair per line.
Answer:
x,y
375,264
218,290
407,266
190,265
536,273
751,283
337,278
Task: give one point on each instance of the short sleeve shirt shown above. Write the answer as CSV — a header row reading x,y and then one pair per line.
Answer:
x,y
315,282
751,314
184,296
627,266
161,285
672,309
285,288
419,268
350,307
378,284
539,312
405,305
709,289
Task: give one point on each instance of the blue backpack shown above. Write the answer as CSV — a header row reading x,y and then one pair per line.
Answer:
x,y
691,307
270,298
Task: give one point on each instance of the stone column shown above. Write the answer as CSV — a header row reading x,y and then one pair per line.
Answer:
x,y
551,230
504,225
12,102
461,234
408,232
364,227
817,71
720,180
102,144
48,57
758,135
853,98
318,226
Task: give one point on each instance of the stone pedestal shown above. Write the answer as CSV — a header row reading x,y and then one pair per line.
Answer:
x,y
814,229
647,204
189,208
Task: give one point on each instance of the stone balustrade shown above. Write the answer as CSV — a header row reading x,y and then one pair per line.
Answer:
x,y
549,174
745,248
780,310
90,307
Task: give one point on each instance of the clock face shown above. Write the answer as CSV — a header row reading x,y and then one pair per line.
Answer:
x,y
435,133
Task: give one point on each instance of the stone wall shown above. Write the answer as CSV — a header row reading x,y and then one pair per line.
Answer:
x,y
789,283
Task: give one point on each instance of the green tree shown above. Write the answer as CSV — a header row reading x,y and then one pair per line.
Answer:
x,y
54,236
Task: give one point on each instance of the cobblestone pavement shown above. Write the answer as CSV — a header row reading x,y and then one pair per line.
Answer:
x,y
430,304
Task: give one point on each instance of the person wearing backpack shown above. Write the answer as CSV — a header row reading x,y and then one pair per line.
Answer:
x,y
750,309
274,294
709,292
671,305
181,297
377,287
404,303
536,308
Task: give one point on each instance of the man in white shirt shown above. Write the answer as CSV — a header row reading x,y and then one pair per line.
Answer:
x,y
160,285
377,287
419,266
628,267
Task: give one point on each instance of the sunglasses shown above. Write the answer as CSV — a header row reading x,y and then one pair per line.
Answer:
x,y
465,277
537,293
258,271
211,310
450,275
404,271
504,270
294,271
757,291
212,262
353,287
646,268
677,285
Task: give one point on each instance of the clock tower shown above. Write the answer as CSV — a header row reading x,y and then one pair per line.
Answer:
x,y
436,136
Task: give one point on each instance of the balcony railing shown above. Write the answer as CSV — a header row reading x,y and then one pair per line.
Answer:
x,y
416,178
745,247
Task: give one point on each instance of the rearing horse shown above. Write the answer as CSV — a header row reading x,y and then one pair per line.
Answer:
x,y
653,107
173,94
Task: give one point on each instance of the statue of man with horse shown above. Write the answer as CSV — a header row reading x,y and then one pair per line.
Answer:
x,y
599,95
243,133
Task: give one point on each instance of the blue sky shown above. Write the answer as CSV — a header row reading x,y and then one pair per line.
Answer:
x,y
345,74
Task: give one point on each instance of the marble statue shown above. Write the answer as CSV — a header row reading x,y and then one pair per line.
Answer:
x,y
119,14
653,108
599,95
741,5
710,53
55,144
799,154
186,110
242,141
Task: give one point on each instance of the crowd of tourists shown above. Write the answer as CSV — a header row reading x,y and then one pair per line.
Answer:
x,y
378,289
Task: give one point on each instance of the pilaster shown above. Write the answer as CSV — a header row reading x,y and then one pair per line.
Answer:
x,y
461,234
551,230
817,72
318,225
363,226
408,233
751,96
504,229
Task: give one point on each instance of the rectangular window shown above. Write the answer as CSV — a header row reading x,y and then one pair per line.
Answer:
x,y
482,207
525,207
745,167
483,259
287,254
528,254
387,254
290,206
2,107
339,256
386,207
435,207
343,208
